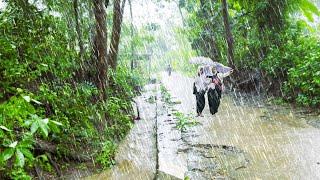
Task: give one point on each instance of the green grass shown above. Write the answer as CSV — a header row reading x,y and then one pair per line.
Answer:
x,y
184,121
166,96
151,99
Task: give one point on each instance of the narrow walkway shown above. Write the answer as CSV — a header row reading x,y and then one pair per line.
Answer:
x,y
246,141
136,156
243,141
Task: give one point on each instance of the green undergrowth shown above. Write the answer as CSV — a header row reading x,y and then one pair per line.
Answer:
x,y
296,62
184,121
166,96
51,105
151,100
276,101
66,116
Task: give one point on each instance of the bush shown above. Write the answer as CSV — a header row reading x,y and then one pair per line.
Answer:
x,y
106,157
48,94
303,82
58,112
20,124
297,62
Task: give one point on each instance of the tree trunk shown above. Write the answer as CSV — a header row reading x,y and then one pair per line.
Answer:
x,y
80,72
106,3
78,28
131,32
116,30
229,36
180,11
100,49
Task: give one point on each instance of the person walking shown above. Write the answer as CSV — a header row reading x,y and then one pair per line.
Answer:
x,y
169,69
199,90
215,89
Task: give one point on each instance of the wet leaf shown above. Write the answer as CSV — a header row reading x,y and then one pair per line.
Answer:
x,y
45,121
14,144
5,128
35,101
7,154
26,153
27,98
56,122
28,123
19,158
34,127
19,90
44,128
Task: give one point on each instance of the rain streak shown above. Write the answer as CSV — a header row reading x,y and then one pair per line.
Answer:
x,y
159,89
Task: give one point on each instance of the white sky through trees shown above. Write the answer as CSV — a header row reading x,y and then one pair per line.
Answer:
x,y
150,11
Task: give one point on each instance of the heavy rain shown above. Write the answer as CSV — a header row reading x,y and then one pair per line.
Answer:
x,y
159,89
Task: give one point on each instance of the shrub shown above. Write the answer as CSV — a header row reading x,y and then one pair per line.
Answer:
x,y
297,61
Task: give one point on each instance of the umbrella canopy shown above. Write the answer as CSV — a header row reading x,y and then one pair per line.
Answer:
x,y
222,68
200,60
205,61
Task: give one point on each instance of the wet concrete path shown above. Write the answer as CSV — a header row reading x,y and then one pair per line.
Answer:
x,y
136,156
247,139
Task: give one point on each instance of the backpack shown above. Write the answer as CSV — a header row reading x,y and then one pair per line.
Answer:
x,y
217,82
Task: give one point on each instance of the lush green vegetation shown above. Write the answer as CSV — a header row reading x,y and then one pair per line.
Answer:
x,y
281,39
67,81
51,111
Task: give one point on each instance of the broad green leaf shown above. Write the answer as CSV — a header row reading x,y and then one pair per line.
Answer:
x,y
35,117
45,121
308,15
27,142
19,90
56,122
44,128
19,158
14,144
54,128
28,123
309,9
7,154
303,23
307,5
43,157
26,152
5,128
27,98
34,127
